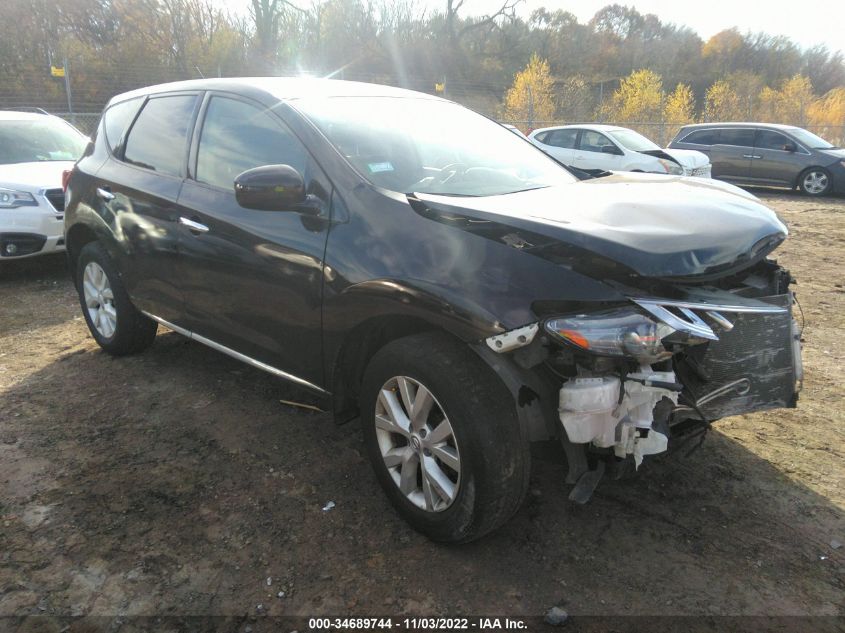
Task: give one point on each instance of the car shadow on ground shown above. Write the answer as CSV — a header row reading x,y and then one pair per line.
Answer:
x,y
176,482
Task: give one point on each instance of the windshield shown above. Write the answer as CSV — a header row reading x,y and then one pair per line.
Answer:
x,y
32,140
430,146
633,141
809,139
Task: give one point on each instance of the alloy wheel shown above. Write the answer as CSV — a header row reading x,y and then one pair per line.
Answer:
x,y
815,182
417,444
99,299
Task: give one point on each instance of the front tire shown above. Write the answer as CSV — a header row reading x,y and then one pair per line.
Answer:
x,y
815,181
444,438
117,326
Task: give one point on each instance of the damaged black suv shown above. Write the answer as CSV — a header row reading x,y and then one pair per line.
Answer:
x,y
427,270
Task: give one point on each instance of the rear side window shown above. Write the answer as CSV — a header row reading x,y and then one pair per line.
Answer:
x,y
739,137
769,139
158,140
237,136
117,119
702,137
542,136
563,138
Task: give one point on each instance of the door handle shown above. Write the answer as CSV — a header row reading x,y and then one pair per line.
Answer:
x,y
752,156
193,226
105,194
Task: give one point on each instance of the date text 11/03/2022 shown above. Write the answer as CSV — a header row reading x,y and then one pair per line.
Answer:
x,y
418,623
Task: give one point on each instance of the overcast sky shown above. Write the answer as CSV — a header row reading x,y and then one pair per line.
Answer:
x,y
807,22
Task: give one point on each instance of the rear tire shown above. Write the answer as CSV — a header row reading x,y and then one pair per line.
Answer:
x,y
815,181
117,326
481,456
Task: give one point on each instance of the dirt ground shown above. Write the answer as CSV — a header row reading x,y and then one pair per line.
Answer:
x,y
176,483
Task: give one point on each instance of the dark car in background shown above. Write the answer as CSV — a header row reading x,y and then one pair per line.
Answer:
x,y
768,154
421,267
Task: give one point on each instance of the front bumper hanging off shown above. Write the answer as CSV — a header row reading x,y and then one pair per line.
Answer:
x,y
750,362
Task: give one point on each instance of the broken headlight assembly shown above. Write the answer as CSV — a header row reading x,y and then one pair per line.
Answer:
x,y
620,332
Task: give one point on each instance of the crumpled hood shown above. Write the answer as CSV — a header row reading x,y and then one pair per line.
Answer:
x,y
688,158
35,176
657,226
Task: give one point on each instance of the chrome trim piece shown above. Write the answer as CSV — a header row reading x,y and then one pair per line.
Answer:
x,y
740,387
721,320
193,226
105,194
762,308
236,355
693,324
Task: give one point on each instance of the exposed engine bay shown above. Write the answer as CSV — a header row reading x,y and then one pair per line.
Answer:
x,y
632,378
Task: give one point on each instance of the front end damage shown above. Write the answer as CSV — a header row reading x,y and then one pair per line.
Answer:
x,y
630,380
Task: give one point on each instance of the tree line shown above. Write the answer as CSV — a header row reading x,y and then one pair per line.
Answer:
x,y
621,64
642,98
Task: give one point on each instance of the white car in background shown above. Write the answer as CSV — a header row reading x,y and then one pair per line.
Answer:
x,y
614,148
34,151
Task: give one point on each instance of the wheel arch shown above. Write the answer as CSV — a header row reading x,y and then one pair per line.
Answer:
x,y
803,172
534,396
356,350
77,237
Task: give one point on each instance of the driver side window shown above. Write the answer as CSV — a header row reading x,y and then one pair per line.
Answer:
x,y
592,141
237,136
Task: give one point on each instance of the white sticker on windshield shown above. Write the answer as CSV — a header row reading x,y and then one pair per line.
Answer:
x,y
379,167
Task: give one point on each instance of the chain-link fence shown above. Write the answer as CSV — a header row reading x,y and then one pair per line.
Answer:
x,y
660,133
85,122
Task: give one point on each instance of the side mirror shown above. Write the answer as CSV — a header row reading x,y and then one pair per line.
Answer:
x,y
270,188
610,149
789,147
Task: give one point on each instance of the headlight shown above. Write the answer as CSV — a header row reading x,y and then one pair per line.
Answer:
x,y
11,199
671,167
621,332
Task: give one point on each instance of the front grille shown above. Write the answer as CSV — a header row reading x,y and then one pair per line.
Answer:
x,y
701,172
56,197
750,367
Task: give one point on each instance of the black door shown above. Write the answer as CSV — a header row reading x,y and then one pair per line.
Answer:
x,y
138,191
252,279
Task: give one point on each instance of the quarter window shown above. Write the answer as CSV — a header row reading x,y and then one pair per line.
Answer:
x,y
158,140
563,138
237,136
737,136
117,119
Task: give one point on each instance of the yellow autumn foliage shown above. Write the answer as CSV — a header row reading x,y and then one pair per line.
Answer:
x,y
721,103
679,108
639,98
531,98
